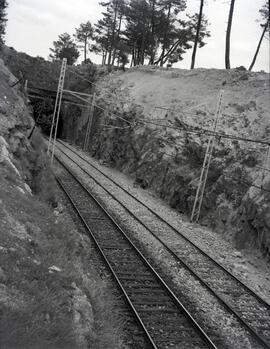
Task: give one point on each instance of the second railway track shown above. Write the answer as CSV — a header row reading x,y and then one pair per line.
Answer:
x,y
165,321
252,311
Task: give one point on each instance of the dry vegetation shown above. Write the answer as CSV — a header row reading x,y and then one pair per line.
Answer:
x,y
40,307
231,205
50,294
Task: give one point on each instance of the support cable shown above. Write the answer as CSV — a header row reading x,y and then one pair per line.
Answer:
x,y
187,129
196,130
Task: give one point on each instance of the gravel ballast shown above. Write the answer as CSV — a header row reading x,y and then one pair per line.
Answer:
x,y
215,320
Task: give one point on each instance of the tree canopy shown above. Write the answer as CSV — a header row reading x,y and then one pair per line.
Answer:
x,y
264,11
83,34
3,20
65,47
151,31
154,32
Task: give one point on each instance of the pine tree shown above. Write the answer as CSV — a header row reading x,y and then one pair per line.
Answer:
x,y
137,30
3,20
107,33
83,34
181,36
64,47
101,38
264,11
154,29
110,26
228,36
197,35
171,9
146,30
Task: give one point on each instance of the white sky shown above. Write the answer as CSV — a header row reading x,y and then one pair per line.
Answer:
x,y
34,24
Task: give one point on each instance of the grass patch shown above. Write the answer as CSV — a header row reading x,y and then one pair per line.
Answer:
x,y
38,310
41,316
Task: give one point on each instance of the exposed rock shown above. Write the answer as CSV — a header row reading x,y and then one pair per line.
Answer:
x,y
4,294
5,155
36,304
3,108
169,160
60,208
54,269
20,190
83,318
3,249
27,188
3,276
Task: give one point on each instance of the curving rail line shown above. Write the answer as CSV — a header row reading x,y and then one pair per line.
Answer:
x,y
165,321
250,309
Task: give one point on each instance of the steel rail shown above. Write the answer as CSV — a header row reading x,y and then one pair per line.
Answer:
x,y
167,223
175,299
220,298
127,299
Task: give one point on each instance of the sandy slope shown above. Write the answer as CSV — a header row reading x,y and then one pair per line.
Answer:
x,y
231,203
192,95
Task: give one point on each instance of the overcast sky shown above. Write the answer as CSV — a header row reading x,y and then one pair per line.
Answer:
x,y
34,24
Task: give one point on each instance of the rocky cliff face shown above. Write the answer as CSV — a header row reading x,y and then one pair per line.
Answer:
x,y
45,299
161,144
16,122
40,73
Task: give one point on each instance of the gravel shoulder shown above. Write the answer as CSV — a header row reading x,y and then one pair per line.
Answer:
x,y
216,321
248,265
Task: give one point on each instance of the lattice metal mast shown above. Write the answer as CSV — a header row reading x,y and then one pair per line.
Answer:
x,y
195,215
89,123
57,108
58,100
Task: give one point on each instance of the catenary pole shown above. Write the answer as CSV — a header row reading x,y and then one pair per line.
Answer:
x,y
58,105
61,80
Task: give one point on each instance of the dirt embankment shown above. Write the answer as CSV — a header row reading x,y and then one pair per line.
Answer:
x,y
168,160
50,295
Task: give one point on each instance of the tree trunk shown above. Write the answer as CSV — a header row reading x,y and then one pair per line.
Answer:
x,y
105,57
165,37
117,37
85,46
228,35
137,56
152,52
259,46
197,36
113,37
142,49
170,51
133,57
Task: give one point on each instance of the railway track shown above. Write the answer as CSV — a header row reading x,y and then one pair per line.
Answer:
x,y
250,309
164,320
